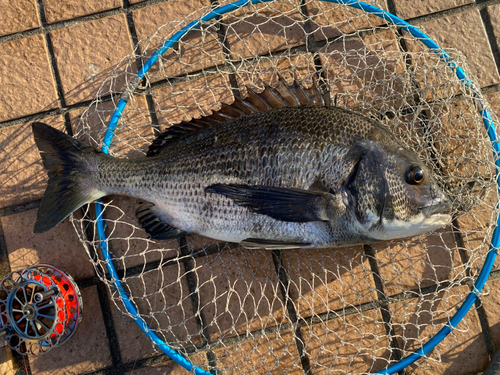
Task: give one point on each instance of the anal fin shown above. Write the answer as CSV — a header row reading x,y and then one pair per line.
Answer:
x,y
150,219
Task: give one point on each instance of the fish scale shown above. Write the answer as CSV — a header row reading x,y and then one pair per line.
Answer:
x,y
298,175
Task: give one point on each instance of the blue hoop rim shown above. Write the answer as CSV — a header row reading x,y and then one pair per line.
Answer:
x,y
428,42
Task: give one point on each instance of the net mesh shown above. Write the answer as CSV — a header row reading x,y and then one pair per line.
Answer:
x,y
356,309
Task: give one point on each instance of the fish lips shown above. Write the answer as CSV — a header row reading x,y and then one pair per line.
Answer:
x,y
440,208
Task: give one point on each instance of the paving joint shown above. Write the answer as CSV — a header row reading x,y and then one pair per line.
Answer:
x,y
481,313
385,304
226,50
488,26
450,12
12,210
20,361
138,62
195,300
284,285
114,345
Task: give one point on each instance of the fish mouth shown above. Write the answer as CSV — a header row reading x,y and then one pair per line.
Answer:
x,y
437,209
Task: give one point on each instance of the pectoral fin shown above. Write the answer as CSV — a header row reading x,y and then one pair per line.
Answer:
x,y
285,204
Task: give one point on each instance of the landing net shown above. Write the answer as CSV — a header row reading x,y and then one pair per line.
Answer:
x,y
356,310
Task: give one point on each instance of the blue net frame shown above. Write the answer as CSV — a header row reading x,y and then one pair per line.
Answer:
x,y
428,42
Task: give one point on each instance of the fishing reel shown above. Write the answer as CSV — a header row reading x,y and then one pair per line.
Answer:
x,y
40,308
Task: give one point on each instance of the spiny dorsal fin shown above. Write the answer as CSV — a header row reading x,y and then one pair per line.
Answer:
x,y
282,95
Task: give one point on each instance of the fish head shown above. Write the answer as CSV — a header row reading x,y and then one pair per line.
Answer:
x,y
392,194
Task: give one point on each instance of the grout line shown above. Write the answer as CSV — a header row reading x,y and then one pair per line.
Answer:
x,y
488,27
195,299
481,313
384,307
4,255
226,51
114,345
174,260
54,70
88,282
138,62
20,361
284,285
391,7
104,303
147,362
449,12
12,210
52,112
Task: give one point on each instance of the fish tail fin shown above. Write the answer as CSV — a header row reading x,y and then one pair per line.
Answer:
x,y
64,157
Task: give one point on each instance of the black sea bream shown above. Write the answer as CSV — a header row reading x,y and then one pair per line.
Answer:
x,y
279,169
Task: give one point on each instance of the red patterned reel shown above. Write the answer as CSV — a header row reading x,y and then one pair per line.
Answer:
x,y
40,308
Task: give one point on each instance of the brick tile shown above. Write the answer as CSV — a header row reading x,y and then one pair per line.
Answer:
x,y
25,78
134,344
415,321
17,16
239,292
408,8
354,344
163,300
7,366
323,280
86,351
493,100
86,55
60,10
299,67
491,304
198,244
196,51
476,228
192,99
59,247
22,173
465,32
333,20
477,224
170,367
356,67
465,151
418,262
149,19
266,355
263,28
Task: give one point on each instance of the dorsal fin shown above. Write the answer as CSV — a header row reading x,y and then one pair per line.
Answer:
x,y
283,95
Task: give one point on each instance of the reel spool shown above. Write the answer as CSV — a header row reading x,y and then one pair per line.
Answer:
x,y
40,308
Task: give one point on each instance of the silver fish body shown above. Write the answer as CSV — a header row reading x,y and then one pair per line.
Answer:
x,y
304,176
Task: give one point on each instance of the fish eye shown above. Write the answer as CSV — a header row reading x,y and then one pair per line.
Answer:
x,y
415,176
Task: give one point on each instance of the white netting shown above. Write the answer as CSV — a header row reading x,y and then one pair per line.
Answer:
x,y
356,309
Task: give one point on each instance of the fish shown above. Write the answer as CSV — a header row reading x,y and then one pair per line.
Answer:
x,y
281,169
